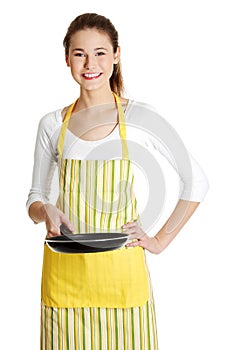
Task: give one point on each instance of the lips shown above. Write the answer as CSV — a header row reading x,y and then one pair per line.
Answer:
x,y
91,76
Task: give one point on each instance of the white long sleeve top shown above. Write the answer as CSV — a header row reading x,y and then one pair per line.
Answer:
x,y
148,137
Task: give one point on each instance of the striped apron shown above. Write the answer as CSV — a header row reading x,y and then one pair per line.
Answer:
x,y
97,300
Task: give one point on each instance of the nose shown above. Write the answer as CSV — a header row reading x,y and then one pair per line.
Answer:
x,y
89,62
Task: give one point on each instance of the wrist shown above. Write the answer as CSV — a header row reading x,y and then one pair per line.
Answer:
x,y
157,244
37,212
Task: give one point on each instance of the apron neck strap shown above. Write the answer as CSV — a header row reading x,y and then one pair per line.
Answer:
x,y
122,128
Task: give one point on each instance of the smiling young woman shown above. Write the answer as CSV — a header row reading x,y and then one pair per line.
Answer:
x,y
101,25
98,300
91,59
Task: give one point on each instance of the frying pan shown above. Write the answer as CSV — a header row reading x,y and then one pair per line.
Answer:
x,y
68,242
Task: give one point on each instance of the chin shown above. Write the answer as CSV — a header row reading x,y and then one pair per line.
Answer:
x,y
93,86
90,88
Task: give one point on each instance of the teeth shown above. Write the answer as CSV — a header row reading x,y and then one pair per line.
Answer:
x,y
93,75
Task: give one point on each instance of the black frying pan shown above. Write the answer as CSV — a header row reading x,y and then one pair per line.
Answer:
x,y
87,242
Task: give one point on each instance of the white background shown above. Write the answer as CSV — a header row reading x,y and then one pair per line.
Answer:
x,y
177,56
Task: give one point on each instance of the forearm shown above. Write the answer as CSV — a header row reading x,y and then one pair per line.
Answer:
x,y
37,212
181,214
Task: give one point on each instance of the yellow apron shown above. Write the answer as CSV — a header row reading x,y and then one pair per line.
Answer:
x,y
89,198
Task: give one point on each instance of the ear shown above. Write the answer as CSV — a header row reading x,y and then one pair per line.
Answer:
x,y
67,60
117,55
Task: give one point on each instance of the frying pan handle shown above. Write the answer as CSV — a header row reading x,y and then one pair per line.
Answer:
x,y
65,231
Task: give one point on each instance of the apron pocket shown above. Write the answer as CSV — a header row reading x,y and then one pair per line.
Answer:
x,y
113,279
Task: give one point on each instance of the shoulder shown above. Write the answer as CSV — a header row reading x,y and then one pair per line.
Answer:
x,y
144,121
137,110
51,121
63,112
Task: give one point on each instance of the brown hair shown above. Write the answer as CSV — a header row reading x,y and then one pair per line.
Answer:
x,y
92,20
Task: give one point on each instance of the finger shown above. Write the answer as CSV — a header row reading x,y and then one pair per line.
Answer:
x,y
130,224
137,243
130,231
52,234
138,235
133,244
52,229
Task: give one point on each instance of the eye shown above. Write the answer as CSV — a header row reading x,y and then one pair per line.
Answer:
x,y
100,53
79,54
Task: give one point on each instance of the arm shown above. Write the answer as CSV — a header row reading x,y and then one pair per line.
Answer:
x,y
45,159
160,136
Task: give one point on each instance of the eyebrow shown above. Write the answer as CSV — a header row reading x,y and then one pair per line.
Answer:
x,y
96,49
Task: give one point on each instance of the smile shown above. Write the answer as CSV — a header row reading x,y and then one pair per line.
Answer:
x,y
90,76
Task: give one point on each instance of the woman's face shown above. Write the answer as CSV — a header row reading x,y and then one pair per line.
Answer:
x,y
91,58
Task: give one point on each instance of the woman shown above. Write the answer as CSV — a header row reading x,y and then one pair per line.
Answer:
x,y
97,300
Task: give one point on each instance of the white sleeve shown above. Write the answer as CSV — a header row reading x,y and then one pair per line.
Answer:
x,y
161,136
45,159
194,181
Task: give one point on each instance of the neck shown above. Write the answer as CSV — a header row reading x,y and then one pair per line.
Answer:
x,y
94,97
